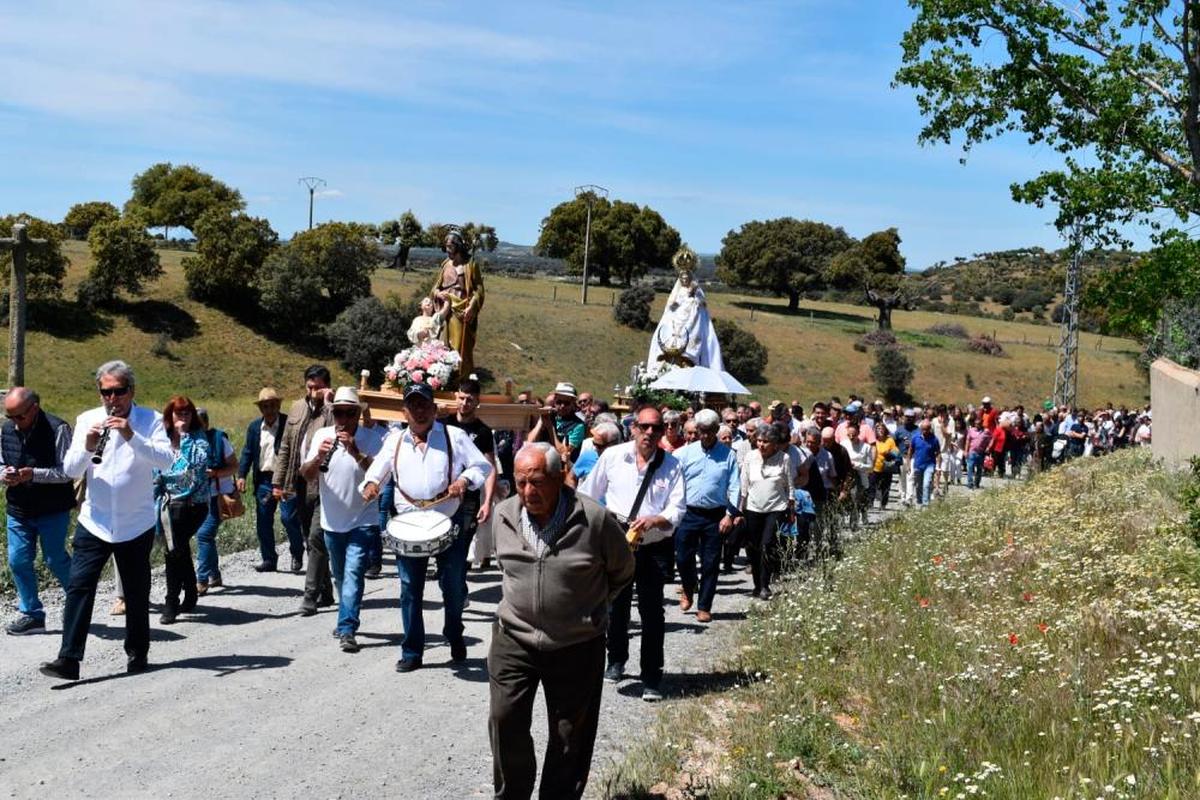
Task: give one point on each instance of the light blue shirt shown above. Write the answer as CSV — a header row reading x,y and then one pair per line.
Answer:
x,y
710,477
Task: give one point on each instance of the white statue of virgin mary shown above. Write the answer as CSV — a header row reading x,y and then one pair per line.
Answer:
x,y
685,336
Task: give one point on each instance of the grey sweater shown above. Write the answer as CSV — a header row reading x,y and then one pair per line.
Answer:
x,y
562,598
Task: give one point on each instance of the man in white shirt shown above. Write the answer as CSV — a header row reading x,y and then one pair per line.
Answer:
x,y
117,447
616,481
429,461
338,459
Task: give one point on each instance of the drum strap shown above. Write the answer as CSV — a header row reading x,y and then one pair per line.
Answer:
x,y
449,473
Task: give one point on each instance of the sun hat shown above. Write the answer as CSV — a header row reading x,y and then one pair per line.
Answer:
x,y
346,396
565,389
267,395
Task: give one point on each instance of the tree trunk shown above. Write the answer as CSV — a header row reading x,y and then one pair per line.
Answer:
x,y
885,316
793,300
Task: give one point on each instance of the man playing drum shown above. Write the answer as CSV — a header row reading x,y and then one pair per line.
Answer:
x,y
433,466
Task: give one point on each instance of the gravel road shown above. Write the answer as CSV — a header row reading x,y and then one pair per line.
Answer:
x,y
247,698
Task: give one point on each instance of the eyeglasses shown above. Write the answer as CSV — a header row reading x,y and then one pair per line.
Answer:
x,y
651,427
22,414
345,413
116,391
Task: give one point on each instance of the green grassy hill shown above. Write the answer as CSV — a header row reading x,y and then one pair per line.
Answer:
x,y
534,331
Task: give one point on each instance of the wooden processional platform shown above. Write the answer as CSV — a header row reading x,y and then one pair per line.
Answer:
x,y
498,411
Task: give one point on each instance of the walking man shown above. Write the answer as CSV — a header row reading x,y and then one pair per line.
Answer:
x,y
117,447
33,446
643,485
337,460
434,466
299,497
563,561
263,438
712,484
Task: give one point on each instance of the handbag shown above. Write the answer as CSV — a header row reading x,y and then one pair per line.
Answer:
x,y
230,506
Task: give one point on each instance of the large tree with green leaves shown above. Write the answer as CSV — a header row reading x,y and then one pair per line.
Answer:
x,y
627,240
875,268
343,258
1113,87
785,256
82,217
170,196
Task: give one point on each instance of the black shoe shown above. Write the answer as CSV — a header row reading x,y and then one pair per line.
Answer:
x,y
325,602
136,665
765,594
26,624
373,571
297,565
458,653
308,609
265,567
65,668
169,615
349,643
188,605
408,664
615,672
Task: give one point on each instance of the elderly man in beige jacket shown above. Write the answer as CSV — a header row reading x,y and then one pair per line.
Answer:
x,y
563,558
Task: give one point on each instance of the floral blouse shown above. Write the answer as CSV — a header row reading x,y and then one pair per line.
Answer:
x,y
187,478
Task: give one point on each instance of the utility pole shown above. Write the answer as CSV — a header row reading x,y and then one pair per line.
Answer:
x,y
589,192
1066,379
313,184
20,244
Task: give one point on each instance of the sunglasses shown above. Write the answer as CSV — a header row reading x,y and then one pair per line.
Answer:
x,y
22,414
345,413
651,427
116,391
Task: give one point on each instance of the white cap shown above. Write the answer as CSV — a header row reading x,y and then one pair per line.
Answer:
x,y
986,400
346,396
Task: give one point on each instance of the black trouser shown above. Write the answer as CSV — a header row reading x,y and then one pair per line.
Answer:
x,y
572,678
318,581
881,487
469,508
88,556
732,543
762,544
186,519
699,533
654,568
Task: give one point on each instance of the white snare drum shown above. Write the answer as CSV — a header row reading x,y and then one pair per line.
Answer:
x,y
418,534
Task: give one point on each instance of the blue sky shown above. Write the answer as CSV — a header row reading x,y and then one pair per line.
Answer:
x,y
713,113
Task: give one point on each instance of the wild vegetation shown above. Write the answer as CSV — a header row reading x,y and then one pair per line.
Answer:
x,y
1035,641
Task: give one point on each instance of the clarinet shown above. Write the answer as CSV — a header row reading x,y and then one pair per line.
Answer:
x,y
98,453
324,466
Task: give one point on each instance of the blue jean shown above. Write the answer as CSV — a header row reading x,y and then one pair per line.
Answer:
x,y
207,565
264,525
974,470
23,535
924,483
452,568
387,509
699,534
348,562
290,508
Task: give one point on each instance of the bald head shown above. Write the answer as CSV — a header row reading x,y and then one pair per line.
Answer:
x,y
21,405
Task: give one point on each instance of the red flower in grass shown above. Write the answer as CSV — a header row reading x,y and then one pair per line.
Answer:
x,y
1013,640
1027,597
923,602
1043,627
937,560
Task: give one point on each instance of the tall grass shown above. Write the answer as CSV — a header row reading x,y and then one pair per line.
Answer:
x,y
1038,641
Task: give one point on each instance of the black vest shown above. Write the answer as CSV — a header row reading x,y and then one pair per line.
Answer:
x,y
37,450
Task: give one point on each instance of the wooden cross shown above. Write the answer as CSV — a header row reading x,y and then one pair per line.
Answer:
x,y
20,244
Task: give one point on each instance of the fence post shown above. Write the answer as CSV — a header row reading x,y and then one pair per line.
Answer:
x,y
752,313
555,287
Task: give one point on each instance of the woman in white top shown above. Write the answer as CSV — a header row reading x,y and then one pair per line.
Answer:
x,y
766,501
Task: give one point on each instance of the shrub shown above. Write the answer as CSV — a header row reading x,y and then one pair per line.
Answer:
x,y
951,329
368,334
876,338
1008,315
340,254
892,374
230,255
124,258
633,307
292,297
744,355
985,345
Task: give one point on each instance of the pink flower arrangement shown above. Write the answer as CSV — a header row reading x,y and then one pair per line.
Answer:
x,y
431,362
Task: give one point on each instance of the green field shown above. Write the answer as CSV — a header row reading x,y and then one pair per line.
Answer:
x,y
536,332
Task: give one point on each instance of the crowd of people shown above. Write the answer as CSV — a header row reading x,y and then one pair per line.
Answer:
x,y
585,512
